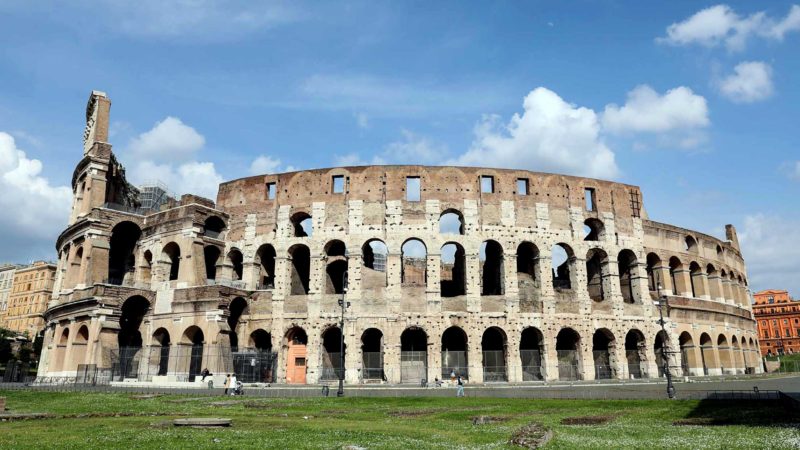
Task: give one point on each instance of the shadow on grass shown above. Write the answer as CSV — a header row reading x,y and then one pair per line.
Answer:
x,y
757,413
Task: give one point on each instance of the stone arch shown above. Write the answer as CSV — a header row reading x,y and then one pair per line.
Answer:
x,y
211,258
453,270
132,311
676,275
594,230
661,349
82,336
121,257
296,342
75,268
265,256
236,262
492,268
236,309
738,358
171,256
636,354
303,224
603,351
194,338
213,227
372,355
413,355
568,351
455,353
300,256
493,347
451,221
335,267
653,273
531,351
627,264
688,355
373,269
714,286
563,265
724,351
331,353
528,271
147,267
597,274
160,351
696,279
707,356
260,340
690,244
61,350
414,262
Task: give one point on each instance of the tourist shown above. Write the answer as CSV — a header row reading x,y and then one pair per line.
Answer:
x,y
205,373
452,376
227,384
232,384
460,387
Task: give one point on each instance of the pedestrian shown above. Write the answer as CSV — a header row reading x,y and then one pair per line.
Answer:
x,y
459,387
205,373
227,384
453,376
233,384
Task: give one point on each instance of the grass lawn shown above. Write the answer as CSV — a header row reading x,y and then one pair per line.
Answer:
x,y
386,423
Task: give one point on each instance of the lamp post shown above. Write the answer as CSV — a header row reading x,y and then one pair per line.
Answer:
x,y
662,300
344,305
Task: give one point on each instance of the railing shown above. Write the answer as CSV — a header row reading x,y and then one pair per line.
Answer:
x,y
494,366
454,363
125,208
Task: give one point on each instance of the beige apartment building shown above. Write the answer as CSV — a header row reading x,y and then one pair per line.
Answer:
x,y
31,289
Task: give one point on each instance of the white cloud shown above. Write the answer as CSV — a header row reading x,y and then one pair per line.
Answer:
x,y
168,140
769,247
362,120
166,153
551,135
33,210
645,111
264,164
792,170
411,149
750,82
719,24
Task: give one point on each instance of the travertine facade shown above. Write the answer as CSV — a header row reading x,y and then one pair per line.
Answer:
x,y
500,275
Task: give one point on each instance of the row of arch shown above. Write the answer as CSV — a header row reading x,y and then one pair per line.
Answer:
x,y
679,278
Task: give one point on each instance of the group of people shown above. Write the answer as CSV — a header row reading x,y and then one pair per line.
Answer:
x,y
233,384
456,380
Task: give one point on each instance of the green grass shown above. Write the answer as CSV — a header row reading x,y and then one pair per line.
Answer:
x,y
378,423
789,363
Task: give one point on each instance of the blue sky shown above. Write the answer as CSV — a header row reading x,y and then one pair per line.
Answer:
x,y
694,102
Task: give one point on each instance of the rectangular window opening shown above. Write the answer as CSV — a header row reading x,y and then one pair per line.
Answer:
x,y
487,184
591,200
413,189
271,190
522,186
338,184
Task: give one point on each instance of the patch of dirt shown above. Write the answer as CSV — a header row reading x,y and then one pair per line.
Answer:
x,y
162,424
416,412
703,421
586,420
186,400
144,397
484,420
265,405
532,435
225,403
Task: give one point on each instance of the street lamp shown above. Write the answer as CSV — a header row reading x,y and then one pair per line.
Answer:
x,y
344,305
662,300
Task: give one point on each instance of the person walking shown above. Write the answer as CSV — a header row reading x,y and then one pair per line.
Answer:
x,y
459,387
227,384
233,384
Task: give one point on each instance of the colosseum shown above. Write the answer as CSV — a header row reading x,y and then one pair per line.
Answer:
x,y
498,275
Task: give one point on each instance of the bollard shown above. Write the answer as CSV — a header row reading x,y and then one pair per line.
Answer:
x,y
325,390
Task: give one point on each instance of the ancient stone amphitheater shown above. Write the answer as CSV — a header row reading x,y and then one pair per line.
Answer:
x,y
496,275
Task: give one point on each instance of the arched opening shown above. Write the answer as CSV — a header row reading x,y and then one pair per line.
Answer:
x,y
76,274
260,340
373,270
266,266
413,261
531,349
596,274
82,336
159,351
695,278
296,343
690,244
211,257
171,255
627,263
236,309
451,222
492,273
635,354
453,268
688,360
454,354
332,364
661,352
121,259
603,344
302,224
301,266
527,271
236,261
413,355
133,312
563,262
372,355
593,230
194,337
335,267
213,227
737,357
568,353
653,272
724,351
707,353
61,350
147,267
675,269
493,345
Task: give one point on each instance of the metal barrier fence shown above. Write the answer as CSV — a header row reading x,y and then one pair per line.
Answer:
x,y
16,372
413,366
372,366
454,363
568,368
494,366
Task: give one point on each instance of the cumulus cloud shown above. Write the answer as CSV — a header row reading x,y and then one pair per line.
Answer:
x,y
22,186
168,140
721,25
413,148
550,135
769,246
750,82
648,112
167,153
264,164
362,120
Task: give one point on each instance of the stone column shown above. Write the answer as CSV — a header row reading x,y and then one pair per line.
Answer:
x,y
433,287
715,287
511,288
250,275
352,357
513,361
611,286
473,273
578,281
475,357
586,358
545,277
550,358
